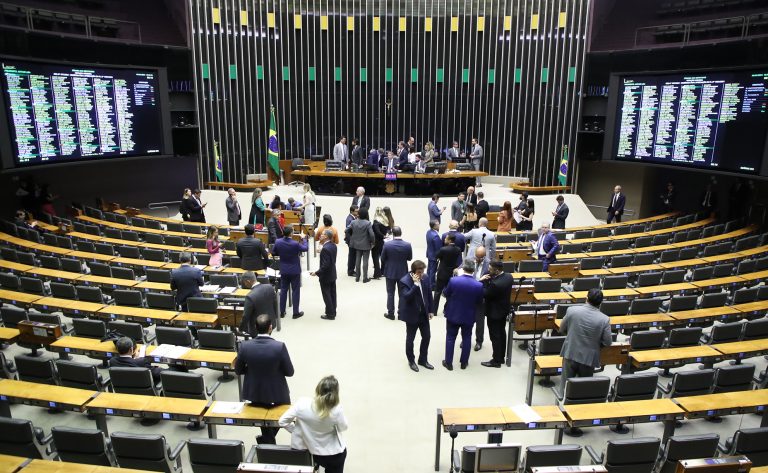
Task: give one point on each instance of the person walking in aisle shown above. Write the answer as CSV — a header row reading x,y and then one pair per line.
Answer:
x,y
616,207
265,363
547,246
289,251
326,274
481,269
394,265
184,206
196,206
463,294
316,425
214,247
560,213
361,239
234,214
415,309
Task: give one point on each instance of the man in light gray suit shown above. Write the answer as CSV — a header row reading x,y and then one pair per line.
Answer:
x,y
476,156
453,152
340,152
586,331
481,236
233,208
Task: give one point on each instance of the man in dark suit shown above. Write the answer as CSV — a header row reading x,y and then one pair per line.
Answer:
x,y
471,197
290,252
448,259
358,153
265,363
402,156
460,240
252,252
372,162
434,243
234,214
360,200
196,207
482,207
560,213
326,274
186,280
415,309
394,265
351,255
127,357
261,300
481,269
274,227
497,288
616,207
547,246
463,294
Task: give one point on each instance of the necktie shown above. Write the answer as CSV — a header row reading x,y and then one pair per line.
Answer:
x,y
706,200
615,198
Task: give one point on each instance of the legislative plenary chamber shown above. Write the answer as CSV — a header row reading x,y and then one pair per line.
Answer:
x,y
492,236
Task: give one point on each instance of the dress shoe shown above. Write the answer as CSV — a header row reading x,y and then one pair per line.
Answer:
x,y
328,317
447,366
351,274
299,315
366,280
282,316
491,364
389,316
414,367
357,279
427,365
478,346
464,366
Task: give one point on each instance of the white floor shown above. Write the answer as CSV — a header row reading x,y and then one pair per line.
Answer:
x,y
391,410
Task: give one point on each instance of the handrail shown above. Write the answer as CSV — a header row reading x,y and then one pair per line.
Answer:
x,y
626,211
163,205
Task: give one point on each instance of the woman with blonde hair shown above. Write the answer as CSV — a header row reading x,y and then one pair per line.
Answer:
x,y
316,425
213,246
184,205
308,204
429,153
258,209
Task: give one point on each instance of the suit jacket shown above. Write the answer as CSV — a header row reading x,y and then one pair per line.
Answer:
x,y
360,235
551,247
252,253
496,292
586,331
452,154
358,155
142,362
339,152
434,243
402,158
265,363
471,199
186,281
461,242
234,214
326,273
395,257
561,213
477,152
457,210
481,208
481,236
195,210
373,158
448,258
463,295
414,304
434,211
364,203
274,230
289,251
262,299
619,204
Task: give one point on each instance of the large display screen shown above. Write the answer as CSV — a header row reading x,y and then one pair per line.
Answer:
x,y
59,113
707,120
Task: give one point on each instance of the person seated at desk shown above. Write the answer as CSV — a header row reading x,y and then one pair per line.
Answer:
x,y
390,163
292,204
127,357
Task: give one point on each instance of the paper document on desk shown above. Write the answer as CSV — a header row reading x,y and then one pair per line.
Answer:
x,y
200,266
169,351
272,272
142,351
227,290
224,407
209,288
525,413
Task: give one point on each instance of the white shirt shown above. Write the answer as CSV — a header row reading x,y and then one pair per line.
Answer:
x,y
319,436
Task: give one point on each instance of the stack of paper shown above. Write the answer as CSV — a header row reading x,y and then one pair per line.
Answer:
x,y
227,290
209,288
224,407
169,351
525,413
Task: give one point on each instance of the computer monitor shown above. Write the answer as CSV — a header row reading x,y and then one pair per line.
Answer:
x,y
497,458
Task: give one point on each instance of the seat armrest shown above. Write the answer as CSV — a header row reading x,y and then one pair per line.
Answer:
x,y
106,382
210,391
66,329
47,439
722,448
251,455
556,392
704,339
596,458
663,388
174,454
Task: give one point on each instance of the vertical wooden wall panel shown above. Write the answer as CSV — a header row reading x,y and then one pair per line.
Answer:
x,y
498,70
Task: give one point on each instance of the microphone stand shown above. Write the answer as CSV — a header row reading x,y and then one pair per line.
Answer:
x,y
511,325
453,434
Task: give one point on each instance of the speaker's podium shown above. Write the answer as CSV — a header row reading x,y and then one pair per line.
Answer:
x,y
731,464
270,468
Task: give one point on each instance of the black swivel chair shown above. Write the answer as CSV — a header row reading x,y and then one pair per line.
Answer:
x,y
215,455
181,336
20,438
89,328
82,446
187,386
632,387
733,378
688,383
550,346
627,456
36,370
582,391
81,375
128,297
750,442
146,452
133,381
685,447
551,455
210,339
281,455
7,369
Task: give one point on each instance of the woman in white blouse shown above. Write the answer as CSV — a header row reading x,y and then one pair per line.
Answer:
x,y
308,203
316,425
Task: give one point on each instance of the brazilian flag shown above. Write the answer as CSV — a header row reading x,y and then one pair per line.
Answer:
x,y
273,151
563,176
219,165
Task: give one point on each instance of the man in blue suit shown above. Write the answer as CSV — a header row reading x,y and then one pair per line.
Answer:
x,y
402,156
547,246
326,273
415,309
435,212
459,239
463,295
186,280
394,265
434,243
290,252
265,362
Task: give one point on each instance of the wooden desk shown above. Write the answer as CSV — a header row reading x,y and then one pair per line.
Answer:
x,y
741,402
481,419
729,281
14,267
10,463
194,319
36,394
136,314
199,358
723,314
8,335
145,263
250,416
641,268
548,365
594,272
579,296
665,289
18,298
109,283
552,297
755,278
620,322
757,308
54,274
152,407
50,466
684,263
625,412
92,347
90,256
67,306
672,357
741,350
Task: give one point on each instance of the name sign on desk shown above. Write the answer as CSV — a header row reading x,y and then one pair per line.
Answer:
x,y
390,176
